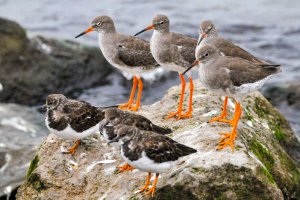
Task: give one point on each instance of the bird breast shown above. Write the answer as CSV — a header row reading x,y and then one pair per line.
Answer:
x,y
107,47
156,44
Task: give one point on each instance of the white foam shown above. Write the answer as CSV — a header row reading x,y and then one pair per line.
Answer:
x,y
17,123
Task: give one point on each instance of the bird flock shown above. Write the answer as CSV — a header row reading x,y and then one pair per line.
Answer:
x,y
224,68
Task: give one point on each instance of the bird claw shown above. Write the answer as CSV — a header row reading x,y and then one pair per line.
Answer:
x,y
151,191
126,106
178,115
225,141
125,168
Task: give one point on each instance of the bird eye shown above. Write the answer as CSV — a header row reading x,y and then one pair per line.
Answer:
x,y
98,24
207,54
162,22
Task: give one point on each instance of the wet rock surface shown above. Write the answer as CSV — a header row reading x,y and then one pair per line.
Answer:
x,y
30,69
22,131
259,168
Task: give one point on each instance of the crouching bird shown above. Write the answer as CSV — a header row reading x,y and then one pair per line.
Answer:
x,y
71,119
115,118
149,152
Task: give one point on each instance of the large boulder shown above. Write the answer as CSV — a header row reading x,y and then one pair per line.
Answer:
x,y
22,130
30,69
259,168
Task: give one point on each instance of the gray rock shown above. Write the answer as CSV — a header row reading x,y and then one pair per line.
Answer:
x,y
30,69
259,168
22,130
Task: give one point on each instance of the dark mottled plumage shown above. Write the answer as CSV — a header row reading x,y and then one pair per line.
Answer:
x,y
116,117
135,52
157,147
80,115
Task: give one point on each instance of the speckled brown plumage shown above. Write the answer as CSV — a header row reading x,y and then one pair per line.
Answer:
x,y
115,117
78,114
135,52
157,147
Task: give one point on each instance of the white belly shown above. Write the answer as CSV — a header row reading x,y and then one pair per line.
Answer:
x,y
70,134
147,165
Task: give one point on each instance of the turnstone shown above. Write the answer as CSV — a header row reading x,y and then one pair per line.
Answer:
x,y
149,152
71,119
209,36
127,53
116,118
231,76
174,52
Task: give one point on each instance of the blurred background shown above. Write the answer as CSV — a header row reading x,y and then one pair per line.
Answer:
x,y
39,56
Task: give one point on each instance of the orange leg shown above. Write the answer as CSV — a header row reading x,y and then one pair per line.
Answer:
x,y
151,190
179,111
147,183
188,114
73,148
229,138
125,168
127,105
139,95
222,117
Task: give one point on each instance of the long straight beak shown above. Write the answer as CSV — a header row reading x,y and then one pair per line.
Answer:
x,y
203,35
90,29
152,26
196,62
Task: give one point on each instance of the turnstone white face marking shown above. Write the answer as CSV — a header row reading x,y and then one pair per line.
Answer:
x,y
174,52
149,151
71,119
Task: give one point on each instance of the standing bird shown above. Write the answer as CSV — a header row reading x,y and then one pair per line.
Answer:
x,y
149,152
127,53
230,76
116,118
174,52
71,119
209,36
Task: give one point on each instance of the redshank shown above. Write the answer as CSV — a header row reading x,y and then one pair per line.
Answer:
x,y
209,36
174,52
230,76
127,53
150,152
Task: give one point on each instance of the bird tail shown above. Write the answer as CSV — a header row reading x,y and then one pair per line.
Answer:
x,y
185,150
274,69
270,66
161,130
113,106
